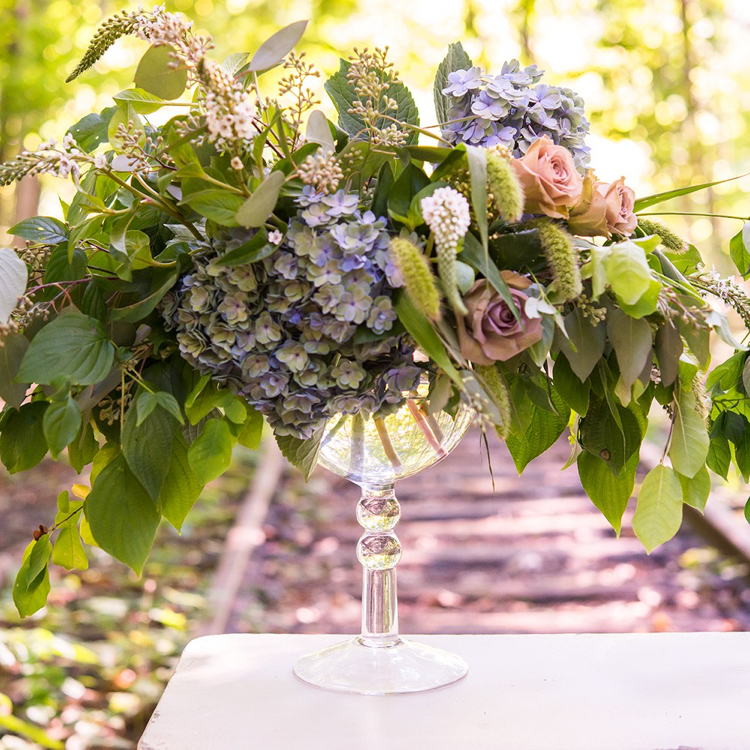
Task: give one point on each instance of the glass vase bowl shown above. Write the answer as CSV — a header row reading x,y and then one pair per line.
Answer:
x,y
375,453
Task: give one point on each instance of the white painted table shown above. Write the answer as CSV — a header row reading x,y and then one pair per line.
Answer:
x,y
523,692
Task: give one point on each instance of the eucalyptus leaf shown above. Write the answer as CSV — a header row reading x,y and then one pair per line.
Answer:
x,y
156,74
260,205
658,513
276,48
319,131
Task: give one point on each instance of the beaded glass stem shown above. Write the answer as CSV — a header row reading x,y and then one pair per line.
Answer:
x,y
375,453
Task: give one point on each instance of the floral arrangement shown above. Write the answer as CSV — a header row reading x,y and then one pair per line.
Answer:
x,y
247,258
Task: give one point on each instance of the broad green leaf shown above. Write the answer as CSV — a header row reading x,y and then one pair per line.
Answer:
x,y
13,277
156,76
739,250
719,456
574,392
689,447
698,340
39,558
319,131
628,271
147,447
169,403
235,411
61,424
251,431
423,332
161,282
218,205
584,345
122,517
123,115
91,131
745,376
74,347
658,513
83,449
255,249
30,598
303,454
210,455
631,339
141,101
456,59
343,95
41,229
609,493
610,432
22,443
276,48
544,428
695,491
181,487
232,64
12,351
668,351
69,551
261,204
478,172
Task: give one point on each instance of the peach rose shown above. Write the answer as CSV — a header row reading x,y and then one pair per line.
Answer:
x,y
620,204
549,179
489,331
588,218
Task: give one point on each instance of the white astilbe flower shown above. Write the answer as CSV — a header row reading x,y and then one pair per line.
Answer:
x,y
230,113
446,212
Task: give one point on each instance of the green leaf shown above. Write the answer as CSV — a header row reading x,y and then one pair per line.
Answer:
x,y
161,282
145,403
720,324
255,249
695,491
668,351
69,551
611,433
22,443
276,48
61,424
302,454
739,250
12,351
319,130
181,487
544,428
156,76
631,339
658,514
719,456
628,271
41,229
74,347
83,449
147,447
235,411
169,403
609,493
478,171
13,277
210,455
689,447
232,64
123,115
456,59
584,345
30,598
251,431
218,205
261,204
423,332
122,517
343,95
141,101
91,131
652,200
571,389
39,558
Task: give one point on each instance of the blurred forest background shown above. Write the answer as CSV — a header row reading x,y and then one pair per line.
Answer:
x,y
667,88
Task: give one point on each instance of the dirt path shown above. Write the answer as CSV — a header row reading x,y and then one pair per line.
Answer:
x,y
532,557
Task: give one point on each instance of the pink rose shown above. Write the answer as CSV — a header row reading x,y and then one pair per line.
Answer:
x,y
588,218
549,179
620,204
489,331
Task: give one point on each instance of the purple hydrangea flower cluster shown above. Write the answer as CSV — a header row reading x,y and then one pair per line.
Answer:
x,y
513,109
281,331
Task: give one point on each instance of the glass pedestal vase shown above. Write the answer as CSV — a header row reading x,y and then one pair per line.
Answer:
x,y
374,454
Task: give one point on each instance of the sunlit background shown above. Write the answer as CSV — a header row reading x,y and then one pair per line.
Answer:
x,y
667,84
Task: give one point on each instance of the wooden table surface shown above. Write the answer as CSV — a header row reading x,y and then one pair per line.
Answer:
x,y
644,691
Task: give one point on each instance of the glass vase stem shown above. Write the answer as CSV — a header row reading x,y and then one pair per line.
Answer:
x,y
379,551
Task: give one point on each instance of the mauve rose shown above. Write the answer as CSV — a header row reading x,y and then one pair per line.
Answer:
x,y
489,331
620,204
551,185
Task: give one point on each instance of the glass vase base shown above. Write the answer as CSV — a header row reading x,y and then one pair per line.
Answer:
x,y
399,667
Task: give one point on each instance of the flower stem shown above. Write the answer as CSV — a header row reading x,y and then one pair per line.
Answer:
x,y
419,418
385,439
